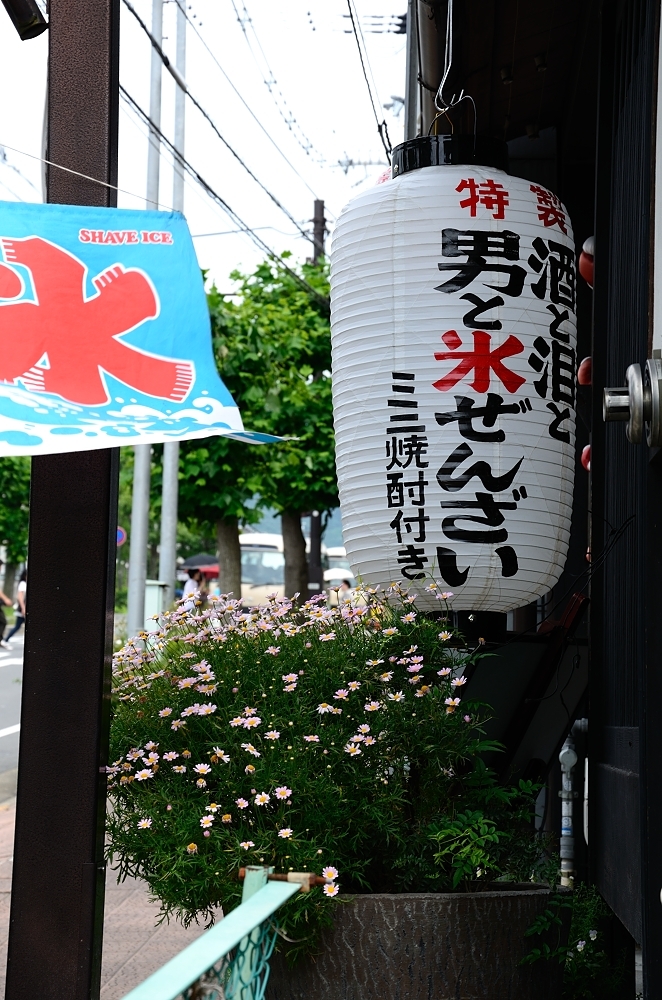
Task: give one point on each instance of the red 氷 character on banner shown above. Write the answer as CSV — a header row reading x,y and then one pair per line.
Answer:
x,y
482,361
62,342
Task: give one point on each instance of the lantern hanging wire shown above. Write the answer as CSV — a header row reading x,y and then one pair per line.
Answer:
x,y
443,105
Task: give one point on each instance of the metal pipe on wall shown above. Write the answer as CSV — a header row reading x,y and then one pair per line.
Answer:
x,y
567,759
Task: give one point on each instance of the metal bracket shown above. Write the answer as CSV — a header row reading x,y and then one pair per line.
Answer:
x,y
653,393
639,403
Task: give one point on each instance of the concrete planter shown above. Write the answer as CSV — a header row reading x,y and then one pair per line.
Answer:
x,y
426,946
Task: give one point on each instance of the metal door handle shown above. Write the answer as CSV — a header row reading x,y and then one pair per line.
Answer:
x,y
639,402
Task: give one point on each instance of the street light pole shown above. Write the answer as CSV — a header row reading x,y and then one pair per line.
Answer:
x,y
170,486
315,574
56,916
142,453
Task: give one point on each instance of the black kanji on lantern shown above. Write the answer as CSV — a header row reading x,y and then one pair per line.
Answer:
x,y
476,245
555,427
540,352
400,523
492,519
481,306
563,362
455,577
480,470
560,316
555,263
509,562
404,413
447,560
403,451
467,412
412,561
563,373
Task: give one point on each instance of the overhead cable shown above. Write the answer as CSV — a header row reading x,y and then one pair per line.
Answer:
x,y
272,85
248,108
182,83
381,126
215,196
76,173
4,162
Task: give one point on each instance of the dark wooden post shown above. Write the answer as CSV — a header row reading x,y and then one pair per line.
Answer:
x,y
58,882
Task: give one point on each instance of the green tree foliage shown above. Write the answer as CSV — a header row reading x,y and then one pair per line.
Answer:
x,y
192,536
217,481
14,507
273,349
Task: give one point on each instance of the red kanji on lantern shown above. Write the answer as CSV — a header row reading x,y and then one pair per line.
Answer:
x,y
491,195
550,209
482,360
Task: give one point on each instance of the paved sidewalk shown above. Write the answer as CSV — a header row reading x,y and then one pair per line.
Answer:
x,y
134,946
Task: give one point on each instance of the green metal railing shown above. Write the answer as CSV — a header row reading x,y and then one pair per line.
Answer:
x,y
230,961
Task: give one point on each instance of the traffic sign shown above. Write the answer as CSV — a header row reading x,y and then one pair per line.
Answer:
x,y
121,535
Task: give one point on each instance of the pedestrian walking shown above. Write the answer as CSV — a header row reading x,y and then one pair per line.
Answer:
x,y
20,606
194,585
3,618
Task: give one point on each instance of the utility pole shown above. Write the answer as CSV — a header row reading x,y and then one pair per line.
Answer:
x,y
170,486
315,575
142,453
319,230
156,67
56,917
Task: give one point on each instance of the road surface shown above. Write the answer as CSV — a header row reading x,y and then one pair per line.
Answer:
x,y
11,675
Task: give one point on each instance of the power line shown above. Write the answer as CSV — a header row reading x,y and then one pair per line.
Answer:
x,y
215,196
248,108
229,232
182,83
141,126
271,83
365,52
77,173
5,163
381,126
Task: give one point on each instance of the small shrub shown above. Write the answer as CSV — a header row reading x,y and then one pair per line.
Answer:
x,y
309,738
589,971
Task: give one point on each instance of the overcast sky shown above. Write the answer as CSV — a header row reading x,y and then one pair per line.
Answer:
x,y
303,46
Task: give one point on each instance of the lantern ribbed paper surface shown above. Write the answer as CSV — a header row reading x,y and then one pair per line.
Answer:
x,y
454,339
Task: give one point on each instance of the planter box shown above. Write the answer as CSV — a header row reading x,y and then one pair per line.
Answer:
x,y
426,946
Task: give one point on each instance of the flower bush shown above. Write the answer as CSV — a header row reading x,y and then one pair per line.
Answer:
x,y
331,740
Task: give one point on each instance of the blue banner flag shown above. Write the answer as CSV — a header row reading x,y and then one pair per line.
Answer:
x,y
105,337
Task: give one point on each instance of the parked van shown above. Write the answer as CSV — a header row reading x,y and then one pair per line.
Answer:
x,y
262,567
337,568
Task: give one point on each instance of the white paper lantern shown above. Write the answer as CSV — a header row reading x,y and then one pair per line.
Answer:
x,y
454,342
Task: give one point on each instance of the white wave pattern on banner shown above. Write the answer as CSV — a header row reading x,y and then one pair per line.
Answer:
x,y
454,343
